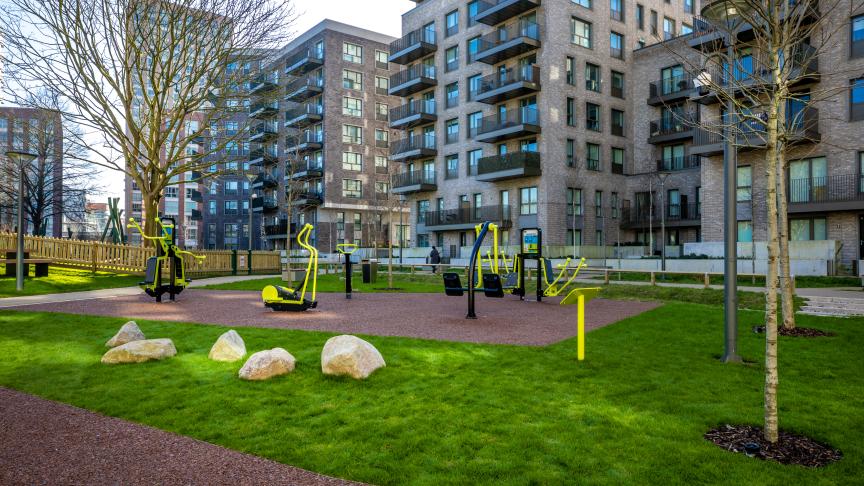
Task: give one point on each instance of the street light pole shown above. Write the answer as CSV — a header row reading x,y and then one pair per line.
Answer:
x,y
23,159
252,197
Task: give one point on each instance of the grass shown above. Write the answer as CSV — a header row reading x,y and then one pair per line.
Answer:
x,y
800,282
459,413
61,279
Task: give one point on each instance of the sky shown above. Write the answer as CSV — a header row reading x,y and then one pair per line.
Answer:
x,y
383,16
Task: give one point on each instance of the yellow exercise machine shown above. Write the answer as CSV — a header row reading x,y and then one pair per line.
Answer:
x,y
281,298
510,277
347,249
554,287
167,254
580,297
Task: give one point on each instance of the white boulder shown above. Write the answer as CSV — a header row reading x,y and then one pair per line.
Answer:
x,y
128,333
140,351
264,365
229,347
350,355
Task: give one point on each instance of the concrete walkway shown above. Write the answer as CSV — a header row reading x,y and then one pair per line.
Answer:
x,y
109,293
840,292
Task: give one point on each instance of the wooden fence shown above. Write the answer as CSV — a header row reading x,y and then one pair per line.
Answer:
x,y
110,257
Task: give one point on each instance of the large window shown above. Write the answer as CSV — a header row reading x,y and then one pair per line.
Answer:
x,y
745,231
640,16
583,3
352,52
352,106
808,229
592,77
592,117
473,86
856,100
581,32
352,188
744,192
452,95
528,200
473,48
574,201
592,156
598,204
688,6
617,85
616,45
382,84
352,161
452,167
617,119
231,208
352,134
474,120
452,127
616,9
857,36
382,138
474,157
617,160
451,21
668,28
570,152
570,69
808,180
352,79
381,60
473,8
451,56
571,111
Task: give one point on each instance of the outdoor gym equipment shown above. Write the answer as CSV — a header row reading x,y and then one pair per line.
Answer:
x,y
347,249
580,297
168,254
554,287
491,282
281,298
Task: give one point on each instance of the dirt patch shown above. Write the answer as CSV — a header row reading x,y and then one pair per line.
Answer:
x,y
789,448
796,332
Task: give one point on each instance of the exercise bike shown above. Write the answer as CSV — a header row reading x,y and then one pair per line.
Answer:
x,y
167,254
281,298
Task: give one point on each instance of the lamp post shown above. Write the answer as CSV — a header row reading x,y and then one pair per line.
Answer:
x,y
252,197
22,159
661,177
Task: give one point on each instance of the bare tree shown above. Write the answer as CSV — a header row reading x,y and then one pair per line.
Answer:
x,y
146,79
770,112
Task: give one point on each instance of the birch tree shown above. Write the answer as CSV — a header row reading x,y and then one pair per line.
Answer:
x,y
147,80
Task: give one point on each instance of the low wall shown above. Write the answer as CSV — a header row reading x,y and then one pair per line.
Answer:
x,y
799,267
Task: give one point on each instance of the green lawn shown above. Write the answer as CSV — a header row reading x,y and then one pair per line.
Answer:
x,y
801,282
65,280
457,413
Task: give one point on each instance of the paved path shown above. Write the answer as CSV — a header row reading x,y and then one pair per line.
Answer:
x,y
45,442
843,292
109,293
430,316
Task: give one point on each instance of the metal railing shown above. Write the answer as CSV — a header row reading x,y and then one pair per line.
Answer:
x,y
307,137
313,81
836,188
674,213
414,178
304,110
510,161
414,72
513,30
527,115
679,163
530,74
426,141
671,85
413,107
674,123
467,215
312,53
415,37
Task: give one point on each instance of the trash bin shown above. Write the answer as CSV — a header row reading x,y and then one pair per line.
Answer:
x,y
370,271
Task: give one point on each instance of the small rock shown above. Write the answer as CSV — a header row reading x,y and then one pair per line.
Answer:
x,y
350,355
229,347
140,351
267,364
128,333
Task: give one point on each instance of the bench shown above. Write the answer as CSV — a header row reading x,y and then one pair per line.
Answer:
x,y
41,264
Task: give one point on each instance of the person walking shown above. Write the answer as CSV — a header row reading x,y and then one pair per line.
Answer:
x,y
434,259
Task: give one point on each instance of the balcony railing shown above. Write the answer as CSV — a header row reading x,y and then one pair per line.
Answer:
x,y
676,215
264,154
413,113
416,78
673,85
512,40
304,88
264,180
264,204
413,46
679,163
263,83
802,126
264,131
414,178
828,189
493,12
306,140
508,166
264,110
468,217
278,228
507,84
673,124
304,114
420,144
304,61
516,123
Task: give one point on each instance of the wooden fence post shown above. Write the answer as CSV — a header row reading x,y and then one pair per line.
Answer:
x,y
94,258
707,280
606,276
653,278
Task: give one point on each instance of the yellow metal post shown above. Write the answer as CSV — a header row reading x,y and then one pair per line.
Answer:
x,y
580,330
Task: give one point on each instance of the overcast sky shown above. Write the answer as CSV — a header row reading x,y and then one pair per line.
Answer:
x,y
383,16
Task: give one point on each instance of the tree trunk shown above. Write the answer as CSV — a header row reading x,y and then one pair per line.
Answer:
x,y
151,212
771,374
390,264
787,290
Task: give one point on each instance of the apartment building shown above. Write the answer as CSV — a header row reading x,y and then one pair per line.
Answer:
x,y
518,111
39,132
825,188
322,143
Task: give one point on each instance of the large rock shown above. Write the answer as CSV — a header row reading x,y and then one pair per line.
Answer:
x,y
264,365
140,351
350,355
128,333
229,347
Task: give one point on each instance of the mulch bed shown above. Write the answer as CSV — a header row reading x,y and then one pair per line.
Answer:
x,y
789,449
796,332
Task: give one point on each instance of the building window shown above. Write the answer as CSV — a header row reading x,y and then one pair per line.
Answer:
x,y
478,204
653,22
231,208
617,119
452,162
212,208
422,209
571,112
574,237
451,22
570,149
616,45
570,66
352,134
352,53
473,158
857,36
592,77
574,201
745,231
231,188
381,60
170,191
686,29
352,161
614,205
744,192
352,106
528,200
452,95
581,32
640,16
808,180
474,120
352,79
616,10
688,6
451,56
856,100
592,156
592,117
382,112
808,229
452,126
583,3
352,188
473,86
473,48
473,8
382,165
382,85
617,160
668,28
598,204
382,138
617,89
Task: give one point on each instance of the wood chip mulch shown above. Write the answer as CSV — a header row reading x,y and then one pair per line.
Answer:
x,y
796,332
789,448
